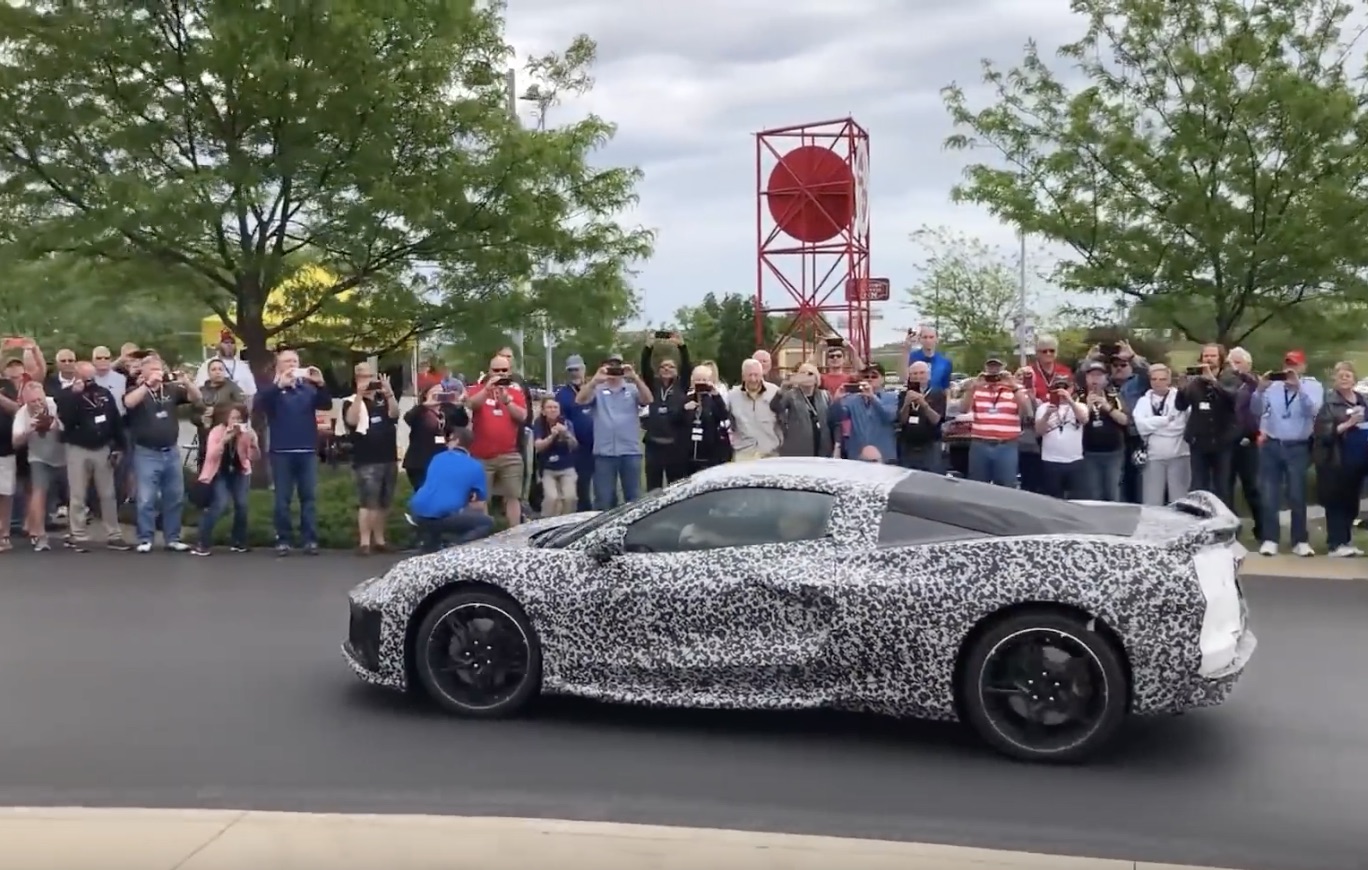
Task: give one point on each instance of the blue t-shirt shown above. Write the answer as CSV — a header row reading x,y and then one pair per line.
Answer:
x,y
556,457
940,365
453,477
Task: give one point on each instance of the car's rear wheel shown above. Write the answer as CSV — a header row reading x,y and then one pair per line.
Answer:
x,y
1041,685
476,654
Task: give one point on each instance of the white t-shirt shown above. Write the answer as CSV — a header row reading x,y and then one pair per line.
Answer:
x,y
239,372
47,448
1063,441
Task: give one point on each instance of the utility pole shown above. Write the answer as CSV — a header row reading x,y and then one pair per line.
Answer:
x,y
1021,299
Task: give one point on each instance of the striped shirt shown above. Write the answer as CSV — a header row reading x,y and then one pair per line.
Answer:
x,y
996,415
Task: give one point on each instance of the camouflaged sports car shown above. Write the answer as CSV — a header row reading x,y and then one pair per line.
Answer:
x,y
800,583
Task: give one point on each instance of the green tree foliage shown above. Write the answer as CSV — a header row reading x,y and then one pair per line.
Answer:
x,y
969,291
723,330
1214,153
67,301
221,139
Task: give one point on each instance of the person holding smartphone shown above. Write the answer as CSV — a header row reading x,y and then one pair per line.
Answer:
x,y
1060,421
159,481
438,412
1341,456
1211,392
1287,409
230,449
37,427
709,421
920,415
291,402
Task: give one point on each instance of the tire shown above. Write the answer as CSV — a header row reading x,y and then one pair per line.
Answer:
x,y
433,685
1095,651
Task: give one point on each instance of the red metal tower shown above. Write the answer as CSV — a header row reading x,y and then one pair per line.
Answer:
x,y
812,231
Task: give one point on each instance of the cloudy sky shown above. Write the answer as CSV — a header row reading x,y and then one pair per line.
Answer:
x,y
689,84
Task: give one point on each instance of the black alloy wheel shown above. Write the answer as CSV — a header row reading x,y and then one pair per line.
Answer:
x,y
1043,686
477,655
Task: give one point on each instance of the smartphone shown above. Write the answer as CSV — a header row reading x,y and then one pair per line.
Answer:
x,y
913,386
614,371
1028,380
1193,370
702,388
663,334
1111,348
838,343
1276,376
992,377
504,382
446,397
10,342
850,388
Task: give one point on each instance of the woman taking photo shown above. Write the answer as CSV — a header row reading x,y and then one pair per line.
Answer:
x,y
436,414
36,427
1341,458
802,409
218,390
709,422
230,448
555,443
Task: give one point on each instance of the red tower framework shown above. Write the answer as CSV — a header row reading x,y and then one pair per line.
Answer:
x,y
812,231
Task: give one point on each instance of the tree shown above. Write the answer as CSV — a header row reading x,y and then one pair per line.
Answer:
x,y
1216,154
220,140
968,290
723,330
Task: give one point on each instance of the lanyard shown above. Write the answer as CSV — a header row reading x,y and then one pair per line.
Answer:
x,y
1162,408
1288,399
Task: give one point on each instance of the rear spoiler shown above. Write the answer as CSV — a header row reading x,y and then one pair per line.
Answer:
x,y
1219,524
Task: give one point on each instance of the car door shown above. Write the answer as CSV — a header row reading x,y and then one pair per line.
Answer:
x,y
718,592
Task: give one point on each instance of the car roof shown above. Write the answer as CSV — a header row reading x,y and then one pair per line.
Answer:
x,y
1006,511
871,474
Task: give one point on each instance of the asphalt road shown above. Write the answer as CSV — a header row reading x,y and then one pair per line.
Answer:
x,y
168,681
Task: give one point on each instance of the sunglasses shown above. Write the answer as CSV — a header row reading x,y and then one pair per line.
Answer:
x,y
101,358
498,371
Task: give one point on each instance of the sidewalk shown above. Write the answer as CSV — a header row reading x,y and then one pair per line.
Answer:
x,y
1287,566
58,839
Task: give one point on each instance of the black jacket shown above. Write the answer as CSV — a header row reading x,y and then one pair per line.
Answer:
x,y
426,425
710,422
666,425
90,418
1212,423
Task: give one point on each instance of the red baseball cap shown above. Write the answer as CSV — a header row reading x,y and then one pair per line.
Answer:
x,y
1294,358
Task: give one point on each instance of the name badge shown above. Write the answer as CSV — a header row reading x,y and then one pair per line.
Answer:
x,y
663,410
161,415
490,402
992,409
697,433
1097,424
439,439
498,412
1204,406
100,419
607,392
913,421
375,419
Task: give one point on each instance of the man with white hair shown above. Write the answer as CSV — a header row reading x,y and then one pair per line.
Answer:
x,y
755,426
1244,460
771,374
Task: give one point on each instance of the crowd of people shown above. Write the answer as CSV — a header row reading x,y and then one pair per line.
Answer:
x,y
1112,428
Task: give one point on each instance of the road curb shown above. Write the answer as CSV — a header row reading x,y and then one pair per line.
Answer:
x,y
57,838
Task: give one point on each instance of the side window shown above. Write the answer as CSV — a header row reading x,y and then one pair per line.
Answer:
x,y
901,530
732,518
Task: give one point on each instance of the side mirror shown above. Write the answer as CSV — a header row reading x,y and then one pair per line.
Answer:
x,y
612,543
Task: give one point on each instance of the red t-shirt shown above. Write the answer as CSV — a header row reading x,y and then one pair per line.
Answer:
x,y
833,382
1041,376
494,432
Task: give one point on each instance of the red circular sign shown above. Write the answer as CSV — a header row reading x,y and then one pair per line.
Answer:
x,y
811,193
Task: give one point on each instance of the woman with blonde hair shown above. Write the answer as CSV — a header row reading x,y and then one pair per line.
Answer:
x,y
720,386
1340,453
802,408
709,421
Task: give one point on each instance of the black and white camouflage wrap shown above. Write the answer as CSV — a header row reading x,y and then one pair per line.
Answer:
x,y
839,622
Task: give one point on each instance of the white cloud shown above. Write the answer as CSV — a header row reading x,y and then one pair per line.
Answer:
x,y
689,84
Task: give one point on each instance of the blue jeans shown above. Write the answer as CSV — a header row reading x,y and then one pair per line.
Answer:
x,y
453,530
584,480
609,471
1103,473
994,463
1064,479
928,457
291,473
161,487
1282,468
228,488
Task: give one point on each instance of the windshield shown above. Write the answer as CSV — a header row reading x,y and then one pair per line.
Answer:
x,y
568,535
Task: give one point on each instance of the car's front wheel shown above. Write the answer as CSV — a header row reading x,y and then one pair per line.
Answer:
x,y
1042,685
476,654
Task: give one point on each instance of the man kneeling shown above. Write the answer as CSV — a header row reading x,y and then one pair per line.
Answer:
x,y
449,508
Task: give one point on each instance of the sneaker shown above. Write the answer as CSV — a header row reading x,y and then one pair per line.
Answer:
x,y
1268,548
144,546
61,513
41,545
1345,551
77,546
1303,550
118,544
69,542
311,549
178,547
282,549
239,548
201,551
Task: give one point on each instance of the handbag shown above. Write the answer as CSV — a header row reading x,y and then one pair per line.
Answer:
x,y
200,494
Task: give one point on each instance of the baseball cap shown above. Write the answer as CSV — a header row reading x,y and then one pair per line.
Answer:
x,y
614,358
1093,365
994,359
574,362
226,337
1295,358
453,385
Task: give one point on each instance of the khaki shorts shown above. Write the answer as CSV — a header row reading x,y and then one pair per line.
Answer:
x,y
9,474
505,475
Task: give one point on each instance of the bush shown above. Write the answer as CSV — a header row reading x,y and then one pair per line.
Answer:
x,y
336,513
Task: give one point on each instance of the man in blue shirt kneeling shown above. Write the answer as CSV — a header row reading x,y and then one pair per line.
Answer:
x,y
451,501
